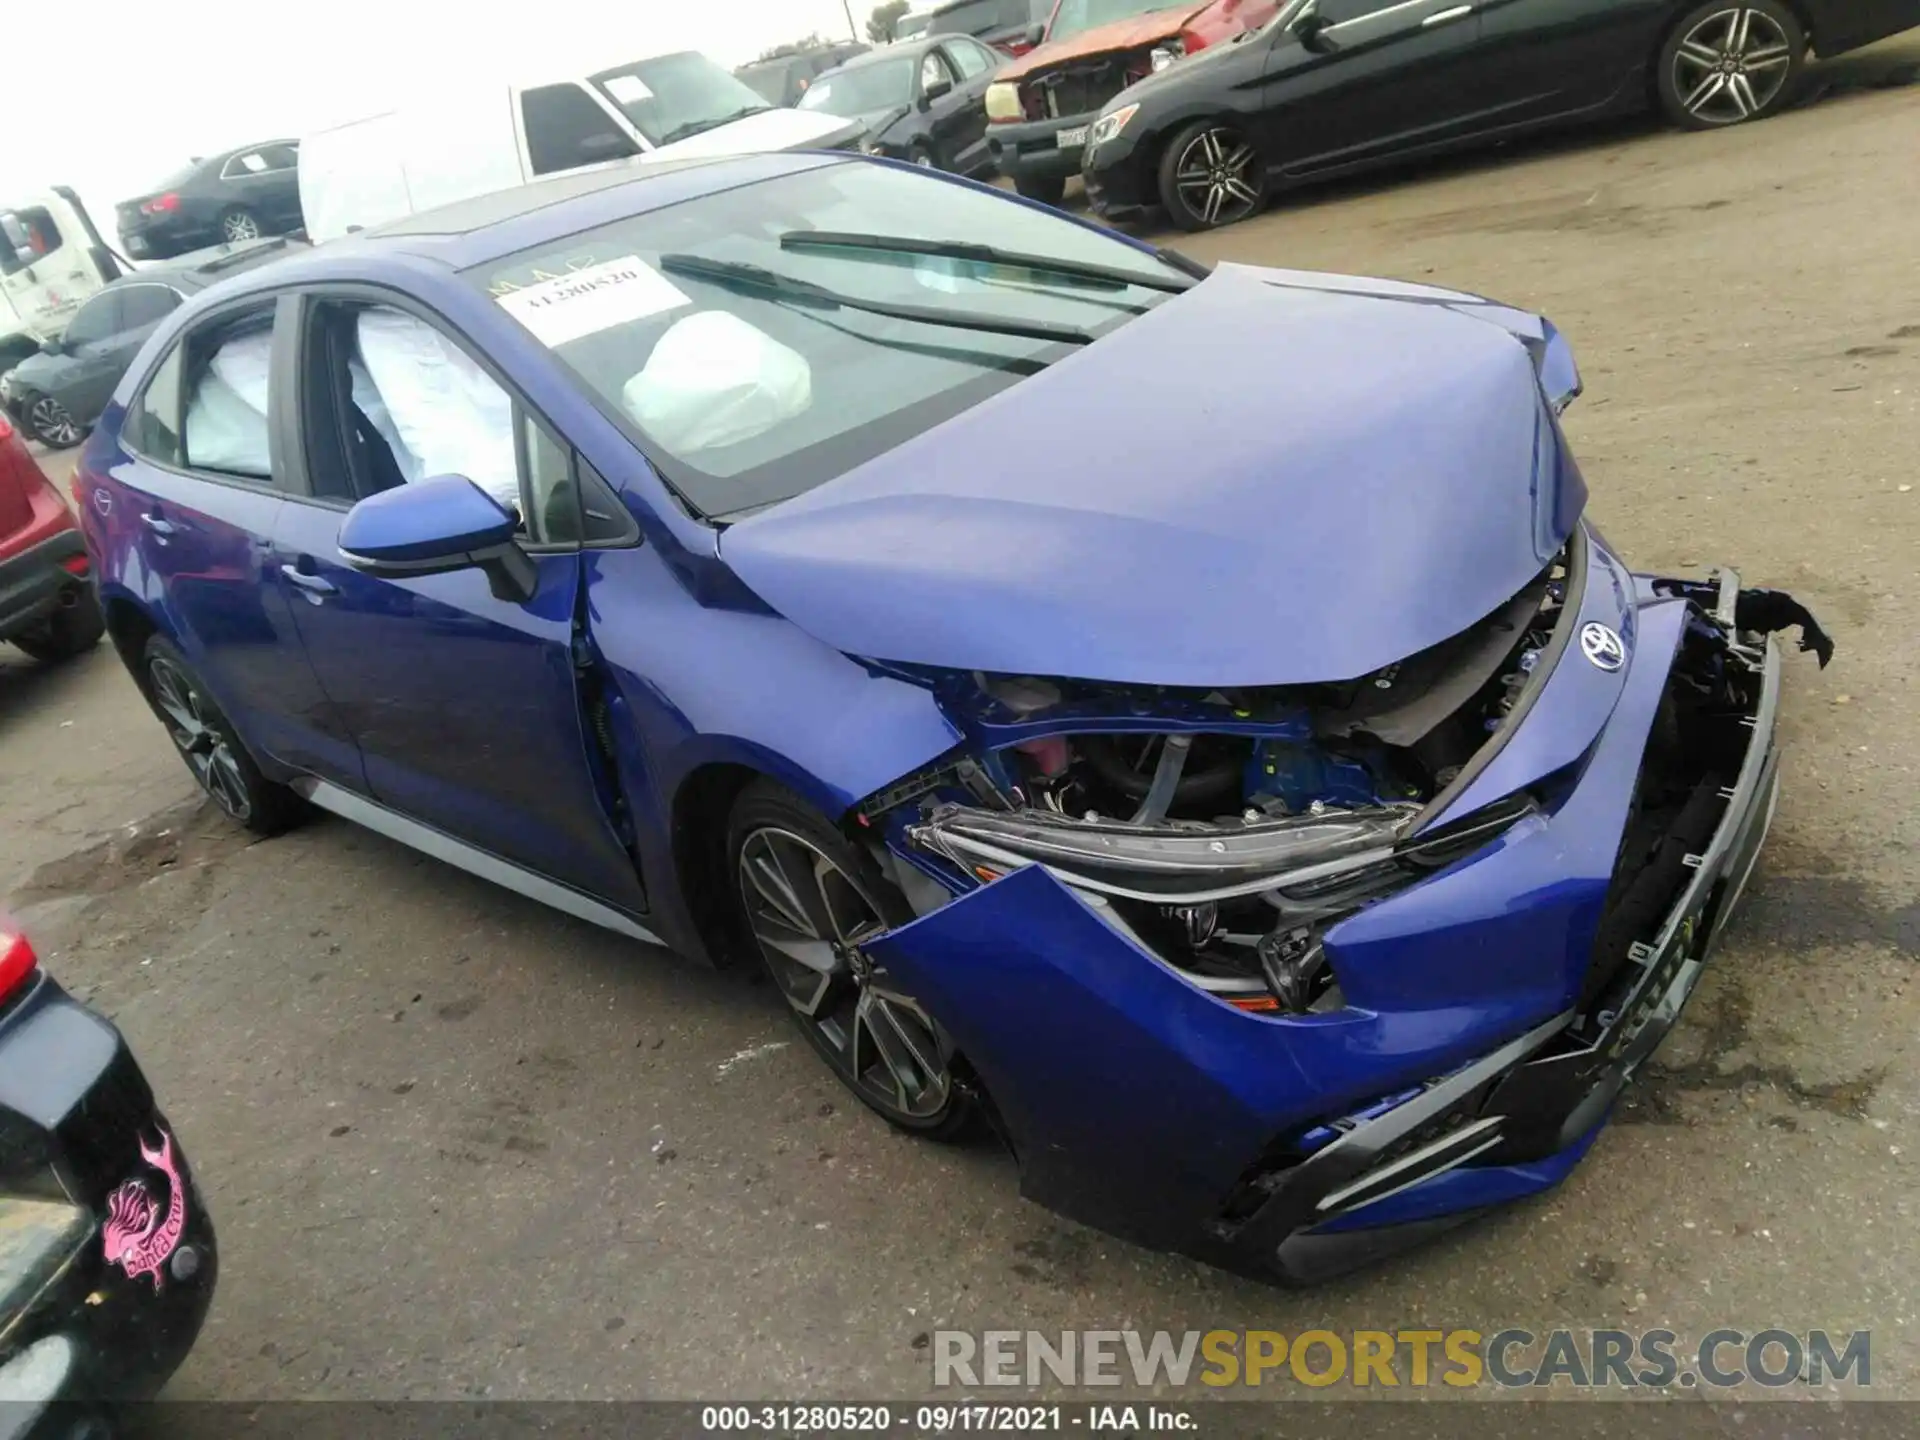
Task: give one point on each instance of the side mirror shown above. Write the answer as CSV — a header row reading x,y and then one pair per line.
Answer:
x,y
1310,27
1036,33
934,91
434,527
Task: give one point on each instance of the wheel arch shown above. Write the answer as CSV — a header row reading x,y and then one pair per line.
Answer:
x,y
130,625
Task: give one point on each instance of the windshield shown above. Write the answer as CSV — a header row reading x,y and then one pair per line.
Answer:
x,y
743,396
671,97
881,85
1073,16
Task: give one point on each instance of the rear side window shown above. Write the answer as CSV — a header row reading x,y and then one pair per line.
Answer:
x,y
97,319
566,128
228,371
144,305
973,59
152,427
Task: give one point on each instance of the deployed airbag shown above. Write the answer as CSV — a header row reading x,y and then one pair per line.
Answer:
x,y
448,414
226,425
714,380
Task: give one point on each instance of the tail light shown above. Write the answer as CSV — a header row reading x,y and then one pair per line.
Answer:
x,y
6,430
17,962
160,204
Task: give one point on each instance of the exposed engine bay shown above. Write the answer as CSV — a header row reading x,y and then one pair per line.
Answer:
x,y
1226,832
1223,831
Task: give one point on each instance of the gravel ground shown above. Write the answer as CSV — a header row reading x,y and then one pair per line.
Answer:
x,y
459,1146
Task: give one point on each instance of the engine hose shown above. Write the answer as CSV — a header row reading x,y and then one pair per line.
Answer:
x,y
1217,782
1166,780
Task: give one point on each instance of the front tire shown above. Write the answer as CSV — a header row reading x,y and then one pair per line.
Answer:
x,y
811,899
1047,189
210,746
1211,175
1730,61
71,630
920,155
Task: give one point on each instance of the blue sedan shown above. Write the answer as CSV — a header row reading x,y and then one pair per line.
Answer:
x,y
1177,718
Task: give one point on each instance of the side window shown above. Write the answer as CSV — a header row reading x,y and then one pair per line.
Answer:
x,y
247,162
566,128
971,58
152,427
27,237
568,502
933,71
227,374
280,157
97,319
1339,12
144,305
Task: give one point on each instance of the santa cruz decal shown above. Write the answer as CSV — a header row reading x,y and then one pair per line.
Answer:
x,y
139,1236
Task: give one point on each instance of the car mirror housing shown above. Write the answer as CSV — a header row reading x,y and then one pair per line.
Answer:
x,y
934,91
435,526
1310,27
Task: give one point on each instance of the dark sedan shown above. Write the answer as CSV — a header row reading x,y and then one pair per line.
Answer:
x,y
1332,86
783,79
922,101
107,1258
58,394
236,195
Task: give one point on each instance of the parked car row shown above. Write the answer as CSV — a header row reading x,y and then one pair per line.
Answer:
x,y
234,196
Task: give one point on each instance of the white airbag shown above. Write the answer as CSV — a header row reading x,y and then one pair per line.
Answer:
x,y
449,416
714,380
226,426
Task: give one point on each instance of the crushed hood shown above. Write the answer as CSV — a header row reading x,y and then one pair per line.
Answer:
x,y
1134,33
1274,478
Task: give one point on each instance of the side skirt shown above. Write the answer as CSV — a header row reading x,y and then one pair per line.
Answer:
x,y
474,861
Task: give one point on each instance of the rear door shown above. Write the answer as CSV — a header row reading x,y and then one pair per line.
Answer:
x,y
1389,75
264,181
465,706
197,505
1548,58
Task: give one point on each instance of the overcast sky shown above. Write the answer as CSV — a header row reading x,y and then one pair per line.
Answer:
x,y
119,93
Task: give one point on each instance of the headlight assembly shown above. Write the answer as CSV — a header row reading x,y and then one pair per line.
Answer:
x,y
1161,56
1108,126
1003,101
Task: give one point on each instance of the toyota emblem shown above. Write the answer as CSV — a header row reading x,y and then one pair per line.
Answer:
x,y
1600,644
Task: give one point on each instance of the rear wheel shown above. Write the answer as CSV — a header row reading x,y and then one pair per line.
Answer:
x,y
239,224
1726,63
923,157
1047,189
812,900
208,743
51,423
1211,175
71,630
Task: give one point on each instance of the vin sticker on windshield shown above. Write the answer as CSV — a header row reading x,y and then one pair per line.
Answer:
x,y
587,301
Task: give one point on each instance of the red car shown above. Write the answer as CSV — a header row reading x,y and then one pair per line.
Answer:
x,y
48,606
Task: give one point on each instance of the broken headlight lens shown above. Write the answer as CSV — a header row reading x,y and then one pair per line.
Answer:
x,y
1108,126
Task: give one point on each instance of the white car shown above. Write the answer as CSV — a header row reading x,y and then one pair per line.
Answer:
x,y
477,139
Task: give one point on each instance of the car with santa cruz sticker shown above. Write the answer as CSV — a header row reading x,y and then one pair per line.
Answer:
x,y
107,1257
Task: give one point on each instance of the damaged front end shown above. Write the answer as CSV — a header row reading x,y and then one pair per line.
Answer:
x,y
1286,978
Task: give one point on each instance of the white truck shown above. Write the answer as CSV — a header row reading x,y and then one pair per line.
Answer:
x,y
474,137
51,259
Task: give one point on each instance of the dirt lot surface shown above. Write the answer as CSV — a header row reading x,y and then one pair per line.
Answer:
x,y
459,1146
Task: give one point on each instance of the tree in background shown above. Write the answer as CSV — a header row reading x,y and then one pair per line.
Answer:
x,y
884,17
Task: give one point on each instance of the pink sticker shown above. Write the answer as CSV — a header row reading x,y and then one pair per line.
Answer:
x,y
137,1237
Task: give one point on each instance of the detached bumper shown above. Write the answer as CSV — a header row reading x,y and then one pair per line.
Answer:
x,y
1473,1063
77,1113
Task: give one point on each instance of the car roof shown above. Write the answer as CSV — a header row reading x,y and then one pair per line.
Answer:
x,y
899,49
200,268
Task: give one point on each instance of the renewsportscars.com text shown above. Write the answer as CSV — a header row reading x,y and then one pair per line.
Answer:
x,y
1460,1358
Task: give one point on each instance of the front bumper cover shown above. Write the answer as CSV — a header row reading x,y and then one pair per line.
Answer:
x,y
1138,1104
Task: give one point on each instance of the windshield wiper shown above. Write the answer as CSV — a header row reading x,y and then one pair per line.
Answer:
x,y
991,255
689,128
804,292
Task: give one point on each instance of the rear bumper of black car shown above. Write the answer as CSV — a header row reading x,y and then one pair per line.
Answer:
x,y
80,1125
1031,150
162,237
36,582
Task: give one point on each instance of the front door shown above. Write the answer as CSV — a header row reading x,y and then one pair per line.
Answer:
x,y
465,706
1384,75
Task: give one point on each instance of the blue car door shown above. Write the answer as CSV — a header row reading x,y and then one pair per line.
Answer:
x,y
466,707
197,499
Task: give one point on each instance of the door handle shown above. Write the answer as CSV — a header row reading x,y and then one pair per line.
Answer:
x,y
159,524
1458,12
316,587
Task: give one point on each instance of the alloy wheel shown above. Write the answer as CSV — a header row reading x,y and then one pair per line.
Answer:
x,y
240,226
52,423
1731,66
811,922
195,726
1216,176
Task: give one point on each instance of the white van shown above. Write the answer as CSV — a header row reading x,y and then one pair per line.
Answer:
x,y
51,259
478,139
